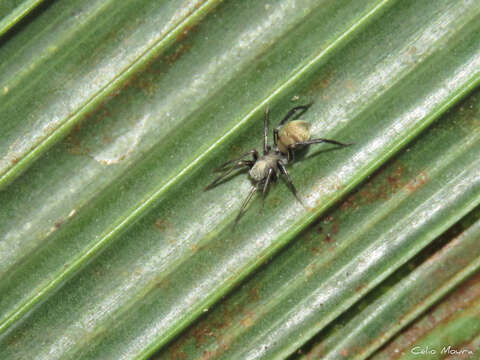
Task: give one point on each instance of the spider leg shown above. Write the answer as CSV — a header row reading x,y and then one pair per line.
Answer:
x,y
295,112
245,203
318,141
265,130
223,167
238,165
267,182
291,153
284,171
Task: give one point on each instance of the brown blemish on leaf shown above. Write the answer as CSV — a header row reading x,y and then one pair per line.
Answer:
x,y
372,192
184,34
350,203
322,82
418,182
395,179
200,334
309,271
344,353
194,247
177,349
248,319
160,224
58,223
253,294
361,287
468,293
163,225
378,188
335,227
162,284
178,53
328,238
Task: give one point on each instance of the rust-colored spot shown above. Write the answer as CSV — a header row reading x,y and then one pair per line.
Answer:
x,y
468,292
418,182
329,219
178,353
316,250
253,294
395,179
178,53
328,238
360,287
14,160
160,224
344,353
371,194
226,318
380,187
247,321
335,227
162,284
322,82
200,334
194,247
163,224
58,223
183,35
350,203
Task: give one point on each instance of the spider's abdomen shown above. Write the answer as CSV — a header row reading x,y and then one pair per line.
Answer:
x,y
292,133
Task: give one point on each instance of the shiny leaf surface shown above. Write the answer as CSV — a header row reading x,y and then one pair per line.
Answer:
x,y
111,247
400,210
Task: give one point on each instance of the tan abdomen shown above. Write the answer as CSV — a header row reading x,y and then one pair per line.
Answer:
x,y
292,133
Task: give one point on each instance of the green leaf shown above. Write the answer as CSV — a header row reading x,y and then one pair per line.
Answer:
x,y
333,264
115,115
387,310
451,328
13,11
68,61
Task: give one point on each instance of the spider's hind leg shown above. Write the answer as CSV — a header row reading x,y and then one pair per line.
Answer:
x,y
290,184
270,178
319,141
245,203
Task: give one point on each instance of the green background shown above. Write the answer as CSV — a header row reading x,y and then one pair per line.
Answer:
x,y
114,115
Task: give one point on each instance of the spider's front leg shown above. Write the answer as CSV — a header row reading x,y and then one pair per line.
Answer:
x,y
232,162
232,165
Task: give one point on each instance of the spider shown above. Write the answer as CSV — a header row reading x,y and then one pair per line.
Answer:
x,y
264,169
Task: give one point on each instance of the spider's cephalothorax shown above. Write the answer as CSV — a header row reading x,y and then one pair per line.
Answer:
x,y
265,169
